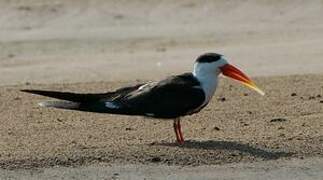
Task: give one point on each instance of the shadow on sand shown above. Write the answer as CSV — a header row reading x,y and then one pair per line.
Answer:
x,y
232,146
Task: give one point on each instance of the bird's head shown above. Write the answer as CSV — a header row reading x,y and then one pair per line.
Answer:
x,y
213,64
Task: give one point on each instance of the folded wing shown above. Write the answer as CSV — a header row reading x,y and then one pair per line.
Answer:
x,y
173,97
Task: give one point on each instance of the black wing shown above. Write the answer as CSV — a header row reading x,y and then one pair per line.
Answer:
x,y
82,98
82,102
173,97
69,96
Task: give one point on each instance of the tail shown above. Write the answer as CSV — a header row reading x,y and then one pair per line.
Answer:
x,y
101,103
81,102
61,104
68,96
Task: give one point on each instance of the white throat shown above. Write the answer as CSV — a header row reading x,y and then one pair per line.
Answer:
x,y
207,73
209,81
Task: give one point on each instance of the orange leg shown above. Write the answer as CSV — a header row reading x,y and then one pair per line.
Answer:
x,y
178,131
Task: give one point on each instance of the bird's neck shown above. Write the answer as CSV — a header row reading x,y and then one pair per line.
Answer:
x,y
209,83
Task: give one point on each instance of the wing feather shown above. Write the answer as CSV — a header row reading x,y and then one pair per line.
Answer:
x,y
172,97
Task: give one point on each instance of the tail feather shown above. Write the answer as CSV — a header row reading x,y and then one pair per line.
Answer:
x,y
60,104
98,107
100,103
75,97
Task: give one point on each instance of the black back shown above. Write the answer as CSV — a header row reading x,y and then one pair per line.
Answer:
x,y
173,97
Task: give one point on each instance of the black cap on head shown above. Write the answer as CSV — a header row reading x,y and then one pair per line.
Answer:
x,y
208,58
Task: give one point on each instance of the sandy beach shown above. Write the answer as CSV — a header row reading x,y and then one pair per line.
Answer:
x,y
98,46
238,126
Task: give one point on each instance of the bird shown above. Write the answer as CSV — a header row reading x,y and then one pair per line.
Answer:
x,y
171,98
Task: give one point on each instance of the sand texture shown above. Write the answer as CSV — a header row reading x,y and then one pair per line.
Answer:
x,y
44,41
237,126
99,45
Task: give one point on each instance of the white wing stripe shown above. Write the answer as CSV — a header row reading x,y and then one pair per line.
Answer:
x,y
111,105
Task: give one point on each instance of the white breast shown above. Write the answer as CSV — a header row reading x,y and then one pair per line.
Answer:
x,y
209,86
207,74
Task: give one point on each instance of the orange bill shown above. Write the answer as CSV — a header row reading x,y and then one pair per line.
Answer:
x,y
234,73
